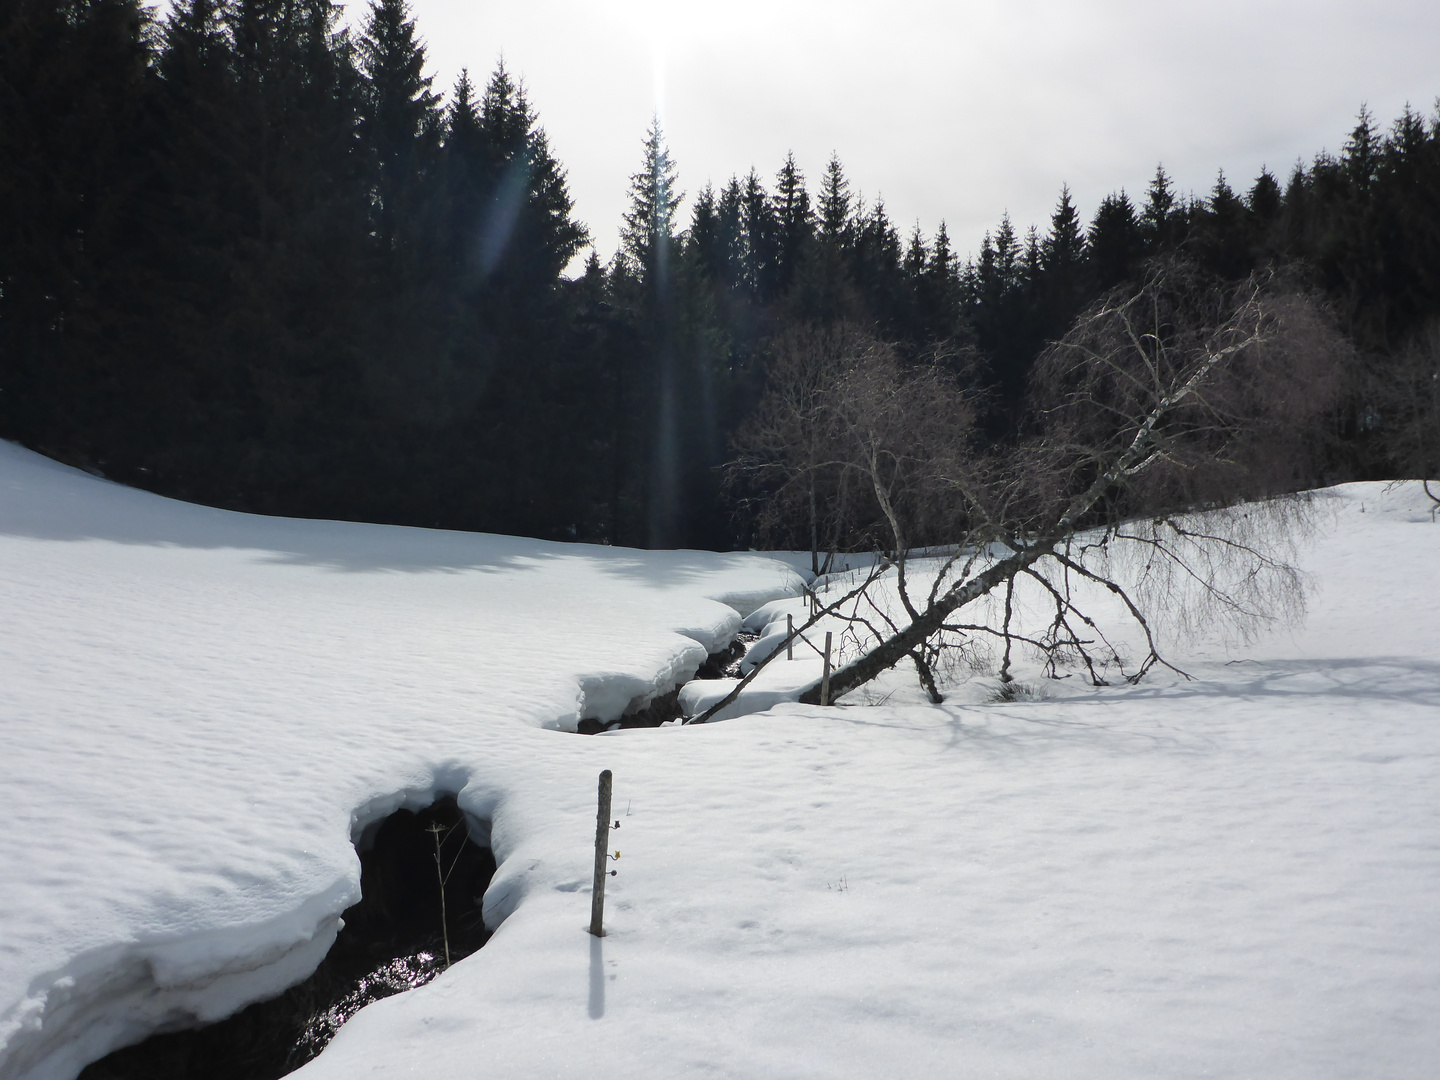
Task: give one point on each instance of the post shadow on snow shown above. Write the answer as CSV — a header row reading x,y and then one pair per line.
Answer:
x,y
392,941
597,978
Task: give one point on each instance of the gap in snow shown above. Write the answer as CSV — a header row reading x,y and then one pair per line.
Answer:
x,y
392,941
666,708
661,710
726,663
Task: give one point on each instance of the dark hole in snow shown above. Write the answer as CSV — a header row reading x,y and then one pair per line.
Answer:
x,y
656,713
392,941
724,664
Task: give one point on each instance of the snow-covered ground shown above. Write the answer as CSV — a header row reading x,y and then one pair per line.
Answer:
x,y
1233,877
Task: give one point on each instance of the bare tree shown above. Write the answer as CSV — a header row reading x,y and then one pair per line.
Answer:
x,y
1150,422
844,447
1410,406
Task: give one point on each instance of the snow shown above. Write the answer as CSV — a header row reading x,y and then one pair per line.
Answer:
x,y
1235,876
201,709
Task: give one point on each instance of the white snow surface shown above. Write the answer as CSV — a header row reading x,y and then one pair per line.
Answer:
x,y
200,709
1235,876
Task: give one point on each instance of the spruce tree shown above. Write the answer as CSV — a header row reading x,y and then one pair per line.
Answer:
x,y
1002,314
835,204
1114,243
75,83
466,180
506,119
1064,244
914,270
938,291
917,256
1264,204
762,241
730,232
647,258
1265,200
702,240
1362,153
533,373
875,268
1161,216
1223,235
1059,286
527,223
401,121
1007,264
647,236
795,219
1033,259
1406,141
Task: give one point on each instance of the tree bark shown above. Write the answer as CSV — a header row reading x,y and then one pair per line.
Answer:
x,y
896,648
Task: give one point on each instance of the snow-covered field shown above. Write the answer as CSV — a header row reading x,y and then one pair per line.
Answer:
x,y
1233,877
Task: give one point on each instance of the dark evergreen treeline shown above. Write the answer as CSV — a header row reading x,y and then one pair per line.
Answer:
x,y
251,258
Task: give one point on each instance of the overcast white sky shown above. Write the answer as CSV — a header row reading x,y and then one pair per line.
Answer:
x,y
958,110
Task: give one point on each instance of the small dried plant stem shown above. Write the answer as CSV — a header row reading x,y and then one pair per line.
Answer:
x,y
435,830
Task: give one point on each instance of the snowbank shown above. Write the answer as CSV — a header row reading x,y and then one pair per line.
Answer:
x,y
202,709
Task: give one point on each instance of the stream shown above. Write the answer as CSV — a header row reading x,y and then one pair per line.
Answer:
x,y
393,940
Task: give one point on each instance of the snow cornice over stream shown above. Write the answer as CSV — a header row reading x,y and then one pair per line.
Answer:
x,y
202,711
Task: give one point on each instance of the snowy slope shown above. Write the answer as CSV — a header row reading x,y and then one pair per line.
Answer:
x,y
1233,877
199,709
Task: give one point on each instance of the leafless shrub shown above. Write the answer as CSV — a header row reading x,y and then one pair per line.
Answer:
x,y
1228,383
1409,396
847,446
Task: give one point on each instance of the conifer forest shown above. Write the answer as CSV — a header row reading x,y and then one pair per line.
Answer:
x,y
253,258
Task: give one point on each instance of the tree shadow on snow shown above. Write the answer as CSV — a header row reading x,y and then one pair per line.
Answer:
x,y
1396,679
42,499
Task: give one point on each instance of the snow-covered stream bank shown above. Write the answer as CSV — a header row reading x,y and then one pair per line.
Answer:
x,y
203,711
1235,877
394,940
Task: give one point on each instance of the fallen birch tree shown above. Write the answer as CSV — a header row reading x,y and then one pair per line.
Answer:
x,y
1158,467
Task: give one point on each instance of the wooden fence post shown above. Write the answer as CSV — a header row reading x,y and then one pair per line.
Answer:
x,y
789,637
825,678
602,842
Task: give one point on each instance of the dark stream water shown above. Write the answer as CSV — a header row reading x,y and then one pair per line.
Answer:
x,y
721,665
392,941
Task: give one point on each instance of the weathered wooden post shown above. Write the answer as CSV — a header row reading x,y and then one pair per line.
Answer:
x,y
825,678
789,637
602,842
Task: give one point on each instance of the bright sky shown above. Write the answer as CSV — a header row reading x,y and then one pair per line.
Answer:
x,y
958,110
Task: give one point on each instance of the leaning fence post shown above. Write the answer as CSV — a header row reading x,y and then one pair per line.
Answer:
x,y
825,678
789,637
602,842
